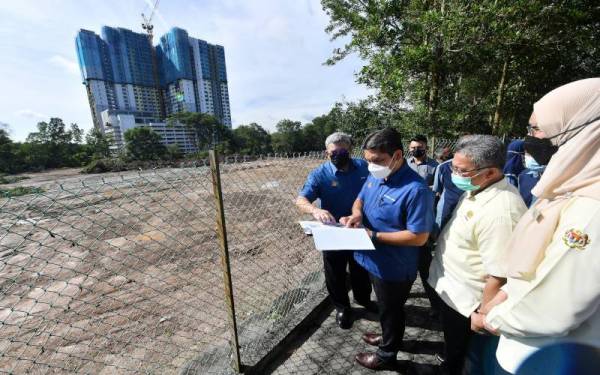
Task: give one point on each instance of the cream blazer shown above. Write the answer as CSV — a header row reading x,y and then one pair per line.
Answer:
x,y
561,302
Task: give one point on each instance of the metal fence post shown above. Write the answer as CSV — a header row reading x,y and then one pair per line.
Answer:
x,y
222,234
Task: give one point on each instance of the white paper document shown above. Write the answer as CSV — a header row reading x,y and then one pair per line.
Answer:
x,y
337,237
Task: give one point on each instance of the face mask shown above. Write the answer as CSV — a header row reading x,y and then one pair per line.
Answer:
x,y
464,183
530,163
540,149
340,158
418,153
380,171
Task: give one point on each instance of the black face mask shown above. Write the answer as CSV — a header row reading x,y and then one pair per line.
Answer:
x,y
418,153
540,149
340,158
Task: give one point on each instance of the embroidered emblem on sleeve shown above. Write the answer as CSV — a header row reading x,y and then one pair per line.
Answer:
x,y
576,239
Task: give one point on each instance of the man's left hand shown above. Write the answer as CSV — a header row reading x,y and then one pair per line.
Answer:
x,y
477,322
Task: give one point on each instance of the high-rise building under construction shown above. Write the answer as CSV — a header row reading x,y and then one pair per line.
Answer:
x,y
131,84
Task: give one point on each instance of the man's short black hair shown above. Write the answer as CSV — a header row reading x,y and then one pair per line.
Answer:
x,y
387,140
419,138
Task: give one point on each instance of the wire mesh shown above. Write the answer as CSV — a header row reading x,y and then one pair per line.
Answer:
x,y
276,272
114,275
122,273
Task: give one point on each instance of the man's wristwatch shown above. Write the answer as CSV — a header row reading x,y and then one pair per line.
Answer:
x,y
373,236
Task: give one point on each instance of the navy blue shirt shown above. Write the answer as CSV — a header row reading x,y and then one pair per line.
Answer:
x,y
336,189
448,192
527,180
403,202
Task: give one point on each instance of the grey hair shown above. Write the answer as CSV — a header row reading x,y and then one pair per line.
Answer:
x,y
338,138
483,150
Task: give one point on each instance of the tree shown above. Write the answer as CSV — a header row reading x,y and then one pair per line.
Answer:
x,y
446,66
209,131
52,146
252,139
98,145
6,152
173,152
288,137
142,143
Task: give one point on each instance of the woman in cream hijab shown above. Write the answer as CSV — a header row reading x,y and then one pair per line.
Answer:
x,y
553,289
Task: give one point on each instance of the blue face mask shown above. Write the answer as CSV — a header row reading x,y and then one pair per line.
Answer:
x,y
530,163
464,183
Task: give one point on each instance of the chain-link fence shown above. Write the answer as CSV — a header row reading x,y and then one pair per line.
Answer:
x,y
123,273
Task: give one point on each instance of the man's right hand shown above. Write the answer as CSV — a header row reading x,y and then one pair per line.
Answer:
x,y
323,216
353,221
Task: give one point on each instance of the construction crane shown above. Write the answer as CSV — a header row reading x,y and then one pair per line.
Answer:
x,y
147,21
149,28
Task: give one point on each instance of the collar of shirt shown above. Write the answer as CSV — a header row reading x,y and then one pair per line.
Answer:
x,y
395,177
351,166
427,161
488,193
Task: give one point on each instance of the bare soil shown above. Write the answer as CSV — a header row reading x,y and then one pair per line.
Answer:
x,y
121,272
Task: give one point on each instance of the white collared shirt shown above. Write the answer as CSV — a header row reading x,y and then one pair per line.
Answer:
x,y
473,245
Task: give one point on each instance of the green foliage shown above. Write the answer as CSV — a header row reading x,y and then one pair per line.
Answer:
x,y
446,66
143,143
173,153
19,191
98,145
289,137
105,165
252,139
209,131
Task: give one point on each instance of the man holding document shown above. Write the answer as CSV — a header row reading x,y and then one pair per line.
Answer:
x,y
395,205
337,183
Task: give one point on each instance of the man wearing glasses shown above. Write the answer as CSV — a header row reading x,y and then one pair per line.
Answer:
x,y
337,184
469,263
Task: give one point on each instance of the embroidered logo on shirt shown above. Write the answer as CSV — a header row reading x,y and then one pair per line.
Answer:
x,y
334,183
576,239
370,184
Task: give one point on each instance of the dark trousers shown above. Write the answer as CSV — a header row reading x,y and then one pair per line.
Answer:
x,y
425,258
335,263
457,334
391,297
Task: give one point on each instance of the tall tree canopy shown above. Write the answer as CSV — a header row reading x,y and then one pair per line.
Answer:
x,y
448,66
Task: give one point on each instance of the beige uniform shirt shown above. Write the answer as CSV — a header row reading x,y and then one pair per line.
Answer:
x,y
473,245
561,302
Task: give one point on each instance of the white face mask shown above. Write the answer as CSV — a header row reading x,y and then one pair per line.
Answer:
x,y
380,171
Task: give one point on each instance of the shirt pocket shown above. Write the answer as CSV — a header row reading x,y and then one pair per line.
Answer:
x,y
389,207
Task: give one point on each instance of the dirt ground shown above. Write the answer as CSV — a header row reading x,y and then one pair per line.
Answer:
x,y
120,272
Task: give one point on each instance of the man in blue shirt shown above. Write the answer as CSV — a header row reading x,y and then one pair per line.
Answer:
x,y
447,194
337,183
396,206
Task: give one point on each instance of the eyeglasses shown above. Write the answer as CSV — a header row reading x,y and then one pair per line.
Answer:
x,y
532,129
462,173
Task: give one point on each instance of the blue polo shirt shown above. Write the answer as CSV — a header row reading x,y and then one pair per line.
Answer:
x,y
336,189
527,181
449,194
403,202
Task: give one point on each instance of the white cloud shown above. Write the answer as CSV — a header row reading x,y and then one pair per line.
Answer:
x,y
67,64
28,113
274,51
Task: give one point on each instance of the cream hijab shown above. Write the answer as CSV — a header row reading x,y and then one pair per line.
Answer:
x,y
573,171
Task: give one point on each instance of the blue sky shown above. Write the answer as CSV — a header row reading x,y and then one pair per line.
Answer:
x,y
275,51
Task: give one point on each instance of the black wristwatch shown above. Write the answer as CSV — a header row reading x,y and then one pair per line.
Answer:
x,y
373,236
